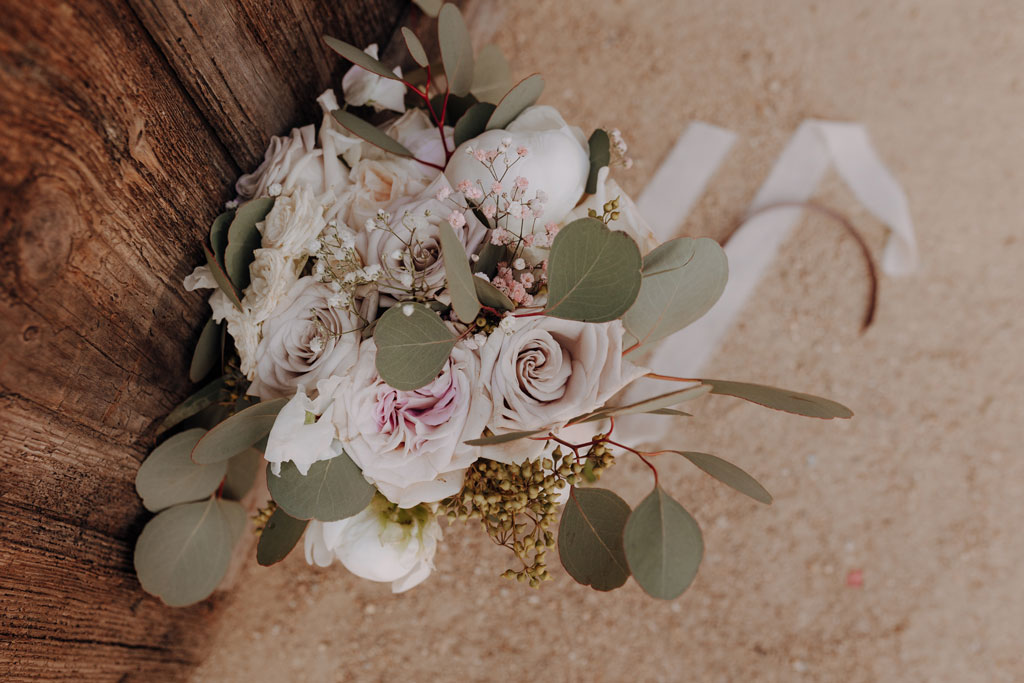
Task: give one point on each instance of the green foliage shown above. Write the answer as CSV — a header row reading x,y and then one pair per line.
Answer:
x,y
241,475
503,438
489,255
238,432
663,546
682,280
594,272
456,49
369,132
459,277
781,399
184,552
600,157
207,352
169,477
489,295
473,122
728,474
360,58
331,490
413,348
649,405
208,395
590,538
525,94
279,536
219,234
221,277
492,77
429,7
419,55
243,239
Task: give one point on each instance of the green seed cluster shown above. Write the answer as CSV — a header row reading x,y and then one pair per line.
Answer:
x,y
610,209
262,516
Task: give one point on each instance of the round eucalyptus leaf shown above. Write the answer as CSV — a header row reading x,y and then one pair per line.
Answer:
x,y
525,94
429,7
456,49
729,474
244,238
331,490
600,156
472,123
492,77
590,538
169,477
206,396
184,552
207,352
781,399
242,470
219,234
459,276
413,344
360,58
419,55
238,432
663,546
593,272
279,536
489,295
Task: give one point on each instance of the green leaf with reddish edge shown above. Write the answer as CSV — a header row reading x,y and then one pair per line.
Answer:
x,y
331,490
411,349
663,546
682,280
280,534
360,58
244,238
503,438
219,234
524,94
458,275
668,411
593,272
473,122
781,399
367,131
600,156
184,552
492,77
489,295
208,395
419,55
241,475
727,473
654,404
237,433
457,107
222,278
169,477
456,49
207,352
590,538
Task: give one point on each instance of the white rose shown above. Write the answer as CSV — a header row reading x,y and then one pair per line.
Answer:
x,y
410,443
295,220
296,439
547,372
557,159
293,157
288,357
364,87
200,278
379,544
271,276
630,221
417,133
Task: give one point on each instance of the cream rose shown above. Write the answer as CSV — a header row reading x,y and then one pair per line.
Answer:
x,y
557,161
293,223
364,87
295,351
546,372
272,274
410,443
294,155
380,544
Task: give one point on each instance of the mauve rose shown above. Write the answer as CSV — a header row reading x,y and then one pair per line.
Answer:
x,y
546,372
410,443
288,356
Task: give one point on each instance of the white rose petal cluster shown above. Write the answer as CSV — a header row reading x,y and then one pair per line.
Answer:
x,y
364,87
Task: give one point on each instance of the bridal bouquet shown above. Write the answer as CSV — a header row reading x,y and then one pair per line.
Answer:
x,y
426,312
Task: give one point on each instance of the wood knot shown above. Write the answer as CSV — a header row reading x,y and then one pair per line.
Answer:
x,y
30,333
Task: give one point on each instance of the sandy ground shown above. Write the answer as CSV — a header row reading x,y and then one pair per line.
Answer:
x,y
922,492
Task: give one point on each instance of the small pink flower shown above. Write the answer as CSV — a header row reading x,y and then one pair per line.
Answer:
x,y
499,236
480,155
464,186
474,193
444,193
522,151
457,219
522,183
516,210
527,280
492,155
528,241
489,210
496,187
551,229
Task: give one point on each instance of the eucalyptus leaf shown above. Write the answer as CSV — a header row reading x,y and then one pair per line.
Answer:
x,y
590,538
279,536
429,7
207,352
682,280
244,238
331,490
503,438
360,58
489,295
458,275
238,432
492,77
781,399
221,277
525,94
455,108
490,255
456,49
593,272
600,157
242,470
369,132
668,411
413,348
663,546
169,477
208,395
666,400
473,122
184,552
419,55
219,234
727,473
